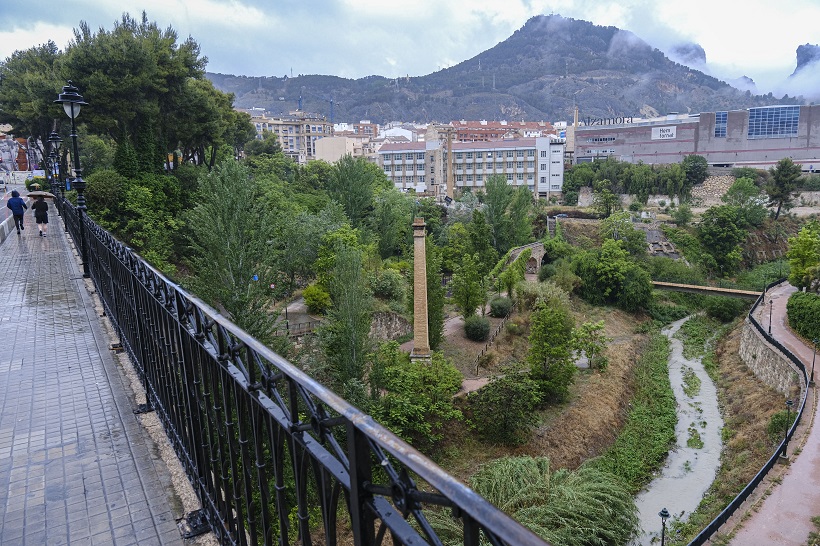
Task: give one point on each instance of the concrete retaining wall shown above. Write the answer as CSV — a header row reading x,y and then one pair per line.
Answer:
x,y
766,362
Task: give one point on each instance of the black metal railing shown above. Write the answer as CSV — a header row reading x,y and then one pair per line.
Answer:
x,y
727,512
274,456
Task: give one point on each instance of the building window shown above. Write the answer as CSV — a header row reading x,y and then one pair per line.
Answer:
x,y
530,153
388,168
543,153
499,154
509,164
601,139
408,156
469,178
459,178
543,179
509,177
773,122
399,180
520,177
530,164
519,164
469,155
509,153
479,155
411,179
720,124
421,179
458,155
519,153
543,166
420,155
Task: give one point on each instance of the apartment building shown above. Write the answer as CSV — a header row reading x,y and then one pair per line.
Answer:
x,y
483,130
442,168
298,132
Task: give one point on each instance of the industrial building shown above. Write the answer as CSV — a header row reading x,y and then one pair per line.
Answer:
x,y
757,137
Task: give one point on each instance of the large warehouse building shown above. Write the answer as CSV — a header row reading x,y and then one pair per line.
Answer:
x,y
757,137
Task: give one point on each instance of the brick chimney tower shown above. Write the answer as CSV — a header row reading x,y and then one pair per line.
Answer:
x,y
421,339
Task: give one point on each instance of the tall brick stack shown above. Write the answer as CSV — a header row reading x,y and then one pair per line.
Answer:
x,y
421,338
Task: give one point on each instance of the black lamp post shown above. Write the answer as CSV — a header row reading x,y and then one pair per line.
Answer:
x,y
771,304
71,100
54,142
813,357
664,514
785,454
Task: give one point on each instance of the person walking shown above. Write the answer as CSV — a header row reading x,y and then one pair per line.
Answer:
x,y
18,208
40,208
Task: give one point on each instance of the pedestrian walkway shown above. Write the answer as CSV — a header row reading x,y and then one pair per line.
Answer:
x,y
76,468
784,517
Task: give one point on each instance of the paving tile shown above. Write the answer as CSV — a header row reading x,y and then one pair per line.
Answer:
x,y
75,466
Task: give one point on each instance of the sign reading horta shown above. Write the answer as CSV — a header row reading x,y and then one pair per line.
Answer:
x,y
663,133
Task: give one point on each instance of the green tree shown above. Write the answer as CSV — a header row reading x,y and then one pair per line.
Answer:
x,y
619,227
436,295
782,186
298,237
345,336
479,239
353,183
746,195
392,222
229,249
267,145
466,286
590,339
682,215
604,201
804,254
720,234
696,168
507,213
550,354
504,410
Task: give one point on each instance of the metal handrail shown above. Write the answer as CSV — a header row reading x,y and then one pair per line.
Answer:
x,y
732,507
272,454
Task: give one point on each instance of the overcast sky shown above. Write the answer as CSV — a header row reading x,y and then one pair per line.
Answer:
x,y
355,38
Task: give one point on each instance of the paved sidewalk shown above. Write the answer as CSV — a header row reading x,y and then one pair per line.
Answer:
x,y
784,517
76,468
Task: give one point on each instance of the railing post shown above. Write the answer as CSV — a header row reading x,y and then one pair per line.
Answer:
x,y
361,518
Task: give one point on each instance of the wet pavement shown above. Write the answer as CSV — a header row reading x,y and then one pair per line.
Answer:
x,y
76,468
784,516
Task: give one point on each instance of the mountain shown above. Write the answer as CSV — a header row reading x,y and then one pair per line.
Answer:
x,y
539,73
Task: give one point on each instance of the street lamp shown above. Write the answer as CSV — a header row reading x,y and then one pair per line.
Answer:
x,y
72,101
789,405
771,304
664,514
813,357
54,142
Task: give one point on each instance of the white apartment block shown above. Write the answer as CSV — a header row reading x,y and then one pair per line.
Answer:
x,y
444,169
297,132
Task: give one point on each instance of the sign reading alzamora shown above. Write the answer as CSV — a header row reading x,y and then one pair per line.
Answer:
x,y
608,121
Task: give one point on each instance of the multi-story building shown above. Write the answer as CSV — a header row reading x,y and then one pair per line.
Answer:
x,y
442,168
757,137
483,131
298,132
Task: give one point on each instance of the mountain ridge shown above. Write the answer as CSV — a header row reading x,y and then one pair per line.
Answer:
x,y
541,72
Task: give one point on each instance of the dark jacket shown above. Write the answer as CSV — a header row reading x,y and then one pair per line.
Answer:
x,y
17,205
40,208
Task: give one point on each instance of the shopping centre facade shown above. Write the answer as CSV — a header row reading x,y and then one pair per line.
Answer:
x,y
757,137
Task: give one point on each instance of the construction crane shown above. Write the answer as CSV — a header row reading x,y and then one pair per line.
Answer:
x,y
330,100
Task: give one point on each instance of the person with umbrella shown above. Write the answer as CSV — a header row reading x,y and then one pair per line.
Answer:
x,y
18,208
40,208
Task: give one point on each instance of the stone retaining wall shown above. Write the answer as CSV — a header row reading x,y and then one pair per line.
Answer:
x,y
766,362
387,325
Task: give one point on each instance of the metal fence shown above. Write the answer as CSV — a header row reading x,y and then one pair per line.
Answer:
x,y
274,456
727,512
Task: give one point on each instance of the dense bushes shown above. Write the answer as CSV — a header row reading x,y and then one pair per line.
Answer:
x,y
504,410
724,309
500,307
804,314
317,299
477,328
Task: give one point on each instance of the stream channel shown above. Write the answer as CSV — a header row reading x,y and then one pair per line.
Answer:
x,y
692,464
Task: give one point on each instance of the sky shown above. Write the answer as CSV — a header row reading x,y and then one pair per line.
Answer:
x,y
356,38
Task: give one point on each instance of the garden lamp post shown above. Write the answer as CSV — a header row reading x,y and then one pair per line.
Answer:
x,y
789,404
54,142
771,305
71,100
813,358
664,514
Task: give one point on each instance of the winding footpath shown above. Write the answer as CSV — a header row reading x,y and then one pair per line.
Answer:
x,y
784,517
690,467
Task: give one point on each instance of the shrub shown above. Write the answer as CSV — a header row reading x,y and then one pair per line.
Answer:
x,y
724,309
500,307
477,328
546,271
504,410
776,429
388,284
317,299
804,314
